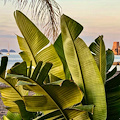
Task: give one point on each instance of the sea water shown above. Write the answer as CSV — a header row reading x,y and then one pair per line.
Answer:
x,y
116,59
12,59
15,57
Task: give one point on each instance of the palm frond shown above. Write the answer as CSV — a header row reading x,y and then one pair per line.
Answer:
x,y
47,14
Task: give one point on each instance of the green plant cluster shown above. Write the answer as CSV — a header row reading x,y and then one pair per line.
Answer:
x,y
66,80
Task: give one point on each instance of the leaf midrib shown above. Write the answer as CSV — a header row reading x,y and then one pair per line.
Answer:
x,y
85,97
25,39
52,100
13,88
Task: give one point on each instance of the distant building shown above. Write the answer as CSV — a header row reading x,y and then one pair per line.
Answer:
x,y
116,48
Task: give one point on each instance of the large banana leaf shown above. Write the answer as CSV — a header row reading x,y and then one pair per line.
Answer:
x,y
59,49
94,87
34,38
12,116
54,97
12,93
50,96
83,67
24,113
26,53
50,55
109,58
112,89
99,53
111,73
113,97
71,112
113,103
33,43
22,70
113,82
70,30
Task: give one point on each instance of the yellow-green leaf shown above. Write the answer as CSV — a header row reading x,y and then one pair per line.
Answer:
x,y
70,30
93,83
99,53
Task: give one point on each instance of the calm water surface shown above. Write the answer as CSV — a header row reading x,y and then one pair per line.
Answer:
x,y
12,59
15,57
116,59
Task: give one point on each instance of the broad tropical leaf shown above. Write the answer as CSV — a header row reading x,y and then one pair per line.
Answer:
x,y
11,93
20,69
44,73
56,92
83,67
71,112
70,30
29,70
53,97
50,55
59,49
109,58
33,43
94,87
24,113
14,100
111,73
112,91
26,53
12,116
113,103
31,33
99,53
113,82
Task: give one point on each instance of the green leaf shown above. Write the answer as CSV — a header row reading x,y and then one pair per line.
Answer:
x,y
83,116
59,49
53,97
93,83
88,108
26,53
5,118
20,69
36,70
72,113
39,103
111,73
113,103
12,93
113,82
50,115
33,43
49,54
39,74
70,30
83,67
34,39
24,113
30,69
109,58
99,53
44,73
12,116
3,66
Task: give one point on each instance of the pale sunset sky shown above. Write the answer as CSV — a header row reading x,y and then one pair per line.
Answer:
x,y
99,17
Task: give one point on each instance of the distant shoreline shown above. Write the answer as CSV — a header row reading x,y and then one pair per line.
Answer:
x,y
5,50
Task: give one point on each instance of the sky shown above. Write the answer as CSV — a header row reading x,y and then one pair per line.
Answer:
x,y
98,17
